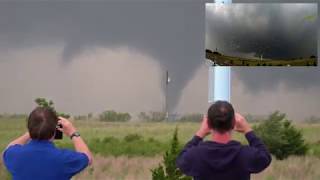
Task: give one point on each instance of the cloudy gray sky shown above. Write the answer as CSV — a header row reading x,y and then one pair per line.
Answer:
x,y
273,30
93,56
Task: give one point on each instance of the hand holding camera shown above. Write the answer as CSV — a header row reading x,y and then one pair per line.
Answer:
x,y
241,124
204,128
67,127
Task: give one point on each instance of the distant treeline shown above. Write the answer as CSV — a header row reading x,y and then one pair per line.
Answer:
x,y
312,120
13,116
260,118
151,116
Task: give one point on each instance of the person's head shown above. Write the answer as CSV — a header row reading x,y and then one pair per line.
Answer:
x,y
42,123
221,116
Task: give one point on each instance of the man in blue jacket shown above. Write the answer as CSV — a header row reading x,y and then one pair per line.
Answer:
x,y
33,155
222,158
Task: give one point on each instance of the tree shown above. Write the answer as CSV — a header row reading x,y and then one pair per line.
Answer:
x,y
90,116
281,137
312,120
168,169
43,102
112,116
196,117
152,116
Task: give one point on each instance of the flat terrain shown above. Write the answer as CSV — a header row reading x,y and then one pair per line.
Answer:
x,y
224,60
130,150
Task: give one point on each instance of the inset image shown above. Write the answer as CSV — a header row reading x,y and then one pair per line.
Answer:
x,y
276,34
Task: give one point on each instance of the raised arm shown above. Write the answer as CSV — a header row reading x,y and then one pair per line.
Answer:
x,y
184,160
78,142
20,140
260,158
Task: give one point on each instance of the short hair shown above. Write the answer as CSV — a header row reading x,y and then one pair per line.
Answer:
x,y
221,116
42,123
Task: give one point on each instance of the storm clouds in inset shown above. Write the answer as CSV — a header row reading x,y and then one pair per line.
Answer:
x,y
276,31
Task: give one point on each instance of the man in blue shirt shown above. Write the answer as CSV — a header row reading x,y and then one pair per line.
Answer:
x,y
33,156
222,157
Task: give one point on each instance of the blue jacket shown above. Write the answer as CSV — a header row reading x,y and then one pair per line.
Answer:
x,y
41,160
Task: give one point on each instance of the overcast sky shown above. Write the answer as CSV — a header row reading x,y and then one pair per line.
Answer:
x,y
283,31
93,56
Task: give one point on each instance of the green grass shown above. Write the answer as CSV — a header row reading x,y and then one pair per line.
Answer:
x,y
111,146
147,139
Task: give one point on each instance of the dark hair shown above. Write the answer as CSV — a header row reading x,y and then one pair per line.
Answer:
x,y
42,123
221,116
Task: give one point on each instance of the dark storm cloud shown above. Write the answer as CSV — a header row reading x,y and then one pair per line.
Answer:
x,y
172,32
272,30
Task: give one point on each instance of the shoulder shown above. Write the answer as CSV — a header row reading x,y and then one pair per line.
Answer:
x,y
12,150
14,147
189,154
10,155
193,153
249,153
247,149
196,149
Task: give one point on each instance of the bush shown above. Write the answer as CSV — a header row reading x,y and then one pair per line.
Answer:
x,y
251,119
152,116
90,115
80,117
314,149
281,137
112,116
168,170
112,146
83,117
132,137
109,140
312,120
191,118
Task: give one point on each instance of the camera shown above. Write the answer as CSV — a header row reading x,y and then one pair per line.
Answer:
x,y
58,134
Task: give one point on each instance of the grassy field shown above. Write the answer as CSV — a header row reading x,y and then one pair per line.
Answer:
x,y
224,60
130,150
